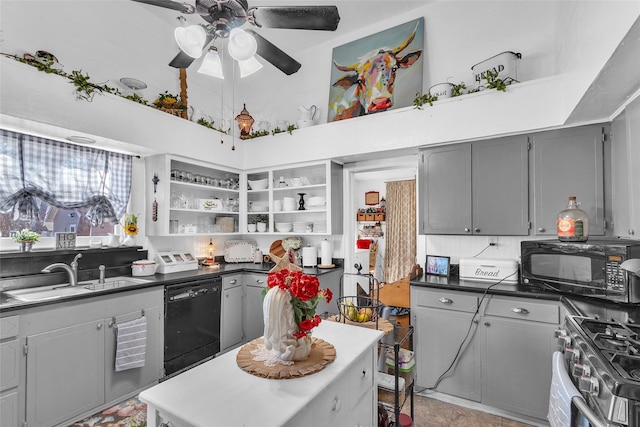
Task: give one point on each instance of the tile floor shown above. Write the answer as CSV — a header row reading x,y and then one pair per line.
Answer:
x,y
429,412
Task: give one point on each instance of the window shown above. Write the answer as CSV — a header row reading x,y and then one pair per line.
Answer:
x,y
50,186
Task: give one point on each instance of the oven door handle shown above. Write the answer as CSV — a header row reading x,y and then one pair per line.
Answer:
x,y
584,409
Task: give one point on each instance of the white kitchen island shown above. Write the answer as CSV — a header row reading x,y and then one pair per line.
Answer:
x,y
219,393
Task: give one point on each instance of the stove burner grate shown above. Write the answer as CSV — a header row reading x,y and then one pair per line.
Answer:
x,y
635,373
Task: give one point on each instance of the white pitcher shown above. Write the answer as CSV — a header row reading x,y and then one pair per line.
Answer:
x,y
307,114
114,241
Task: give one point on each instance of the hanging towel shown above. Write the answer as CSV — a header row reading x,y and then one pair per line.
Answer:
x,y
560,395
131,344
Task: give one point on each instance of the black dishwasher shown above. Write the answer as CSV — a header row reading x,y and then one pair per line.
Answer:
x,y
191,323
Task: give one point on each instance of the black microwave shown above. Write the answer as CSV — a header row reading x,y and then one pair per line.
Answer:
x,y
590,268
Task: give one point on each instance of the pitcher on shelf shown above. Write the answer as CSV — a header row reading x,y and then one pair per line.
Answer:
x,y
307,116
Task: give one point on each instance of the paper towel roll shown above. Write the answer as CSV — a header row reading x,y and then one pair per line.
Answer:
x,y
326,253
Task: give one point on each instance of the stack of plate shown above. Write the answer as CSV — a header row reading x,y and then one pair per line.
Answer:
x,y
301,227
283,227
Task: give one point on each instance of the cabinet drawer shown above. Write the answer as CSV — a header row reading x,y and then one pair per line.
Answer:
x,y
9,362
254,279
446,300
516,308
360,376
229,282
9,327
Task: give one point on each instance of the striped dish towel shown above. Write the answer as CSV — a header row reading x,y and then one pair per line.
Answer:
x,y
131,344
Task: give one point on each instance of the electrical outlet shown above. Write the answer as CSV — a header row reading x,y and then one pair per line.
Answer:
x,y
493,241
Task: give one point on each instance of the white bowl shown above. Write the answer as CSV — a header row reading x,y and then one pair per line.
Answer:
x,y
143,267
259,206
316,201
259,184
283,227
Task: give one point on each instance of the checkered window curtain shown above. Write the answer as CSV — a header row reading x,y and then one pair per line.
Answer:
x,y
400,244
64,175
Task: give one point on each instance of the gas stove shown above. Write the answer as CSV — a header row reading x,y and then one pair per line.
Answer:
x,y
603,359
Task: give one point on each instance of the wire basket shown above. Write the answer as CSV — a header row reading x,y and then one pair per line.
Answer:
x,y
359,309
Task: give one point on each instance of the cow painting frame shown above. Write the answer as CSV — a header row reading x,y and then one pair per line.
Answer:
x,y
377,73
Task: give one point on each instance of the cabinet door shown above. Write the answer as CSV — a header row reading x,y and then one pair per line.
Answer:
x,y
330,281
446,196
625,191
500,187
73,357
231,324
253,317
438,336
517,365
568,162
9,410
120,383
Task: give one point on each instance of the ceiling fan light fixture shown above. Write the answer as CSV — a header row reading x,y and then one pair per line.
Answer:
x,y
249,66
191,39
242,45
211,64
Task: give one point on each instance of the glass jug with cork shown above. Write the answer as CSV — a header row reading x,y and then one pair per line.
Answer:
x,y
573,223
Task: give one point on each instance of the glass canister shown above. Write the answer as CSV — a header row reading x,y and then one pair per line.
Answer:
x,y
573,223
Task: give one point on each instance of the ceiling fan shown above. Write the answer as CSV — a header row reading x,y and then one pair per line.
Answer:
x,y
224,15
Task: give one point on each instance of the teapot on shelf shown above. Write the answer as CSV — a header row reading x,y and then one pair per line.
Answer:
x,y
307,116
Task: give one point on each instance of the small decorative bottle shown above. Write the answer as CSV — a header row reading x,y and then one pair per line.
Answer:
x,y
573,223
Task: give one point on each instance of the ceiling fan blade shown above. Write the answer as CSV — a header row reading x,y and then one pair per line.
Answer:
x,y
168,4
297,17
182,60
275,55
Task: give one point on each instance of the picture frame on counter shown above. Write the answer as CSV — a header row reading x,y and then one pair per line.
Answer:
x,y
65,240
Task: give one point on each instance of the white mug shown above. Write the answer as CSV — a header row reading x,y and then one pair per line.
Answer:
x,y
262,227
277,205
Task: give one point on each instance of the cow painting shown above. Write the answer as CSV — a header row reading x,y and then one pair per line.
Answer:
x,y
367,85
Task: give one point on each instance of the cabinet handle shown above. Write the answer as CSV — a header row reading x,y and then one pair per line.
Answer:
x,y
477,230
260,281
541,230
365,375
445,300
487,324
99,326
232,281
466,229
336,405
632,232
520,310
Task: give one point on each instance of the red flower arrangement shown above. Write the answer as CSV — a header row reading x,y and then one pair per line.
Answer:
x,y
305,294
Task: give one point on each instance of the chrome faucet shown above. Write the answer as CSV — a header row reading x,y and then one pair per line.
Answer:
x,y
72,270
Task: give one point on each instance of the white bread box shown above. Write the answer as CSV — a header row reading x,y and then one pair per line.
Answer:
x,y
489,270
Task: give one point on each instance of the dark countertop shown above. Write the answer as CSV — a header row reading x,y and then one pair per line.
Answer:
x,y
8,304
576,305
455,284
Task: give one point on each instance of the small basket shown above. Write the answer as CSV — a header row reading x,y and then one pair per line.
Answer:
x,y
347,306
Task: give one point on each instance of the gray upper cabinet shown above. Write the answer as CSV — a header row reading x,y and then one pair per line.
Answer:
x,y
500,182
625,191
476,188
568,162
445,178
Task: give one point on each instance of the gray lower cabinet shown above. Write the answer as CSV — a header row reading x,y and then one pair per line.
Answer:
x,y
231,325
74,343
442,321
9,370
476,188
331,281
254,283
517,345
568,162
505,361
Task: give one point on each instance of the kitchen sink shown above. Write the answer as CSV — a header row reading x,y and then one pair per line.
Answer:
x,y
44,293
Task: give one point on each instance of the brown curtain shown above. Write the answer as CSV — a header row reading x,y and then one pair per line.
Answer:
x,y
400,244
